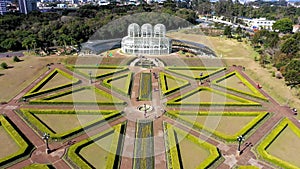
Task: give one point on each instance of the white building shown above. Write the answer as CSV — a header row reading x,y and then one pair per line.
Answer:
x,y
146,40
259,23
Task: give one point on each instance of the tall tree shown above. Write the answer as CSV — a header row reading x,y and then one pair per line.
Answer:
x,y
284,25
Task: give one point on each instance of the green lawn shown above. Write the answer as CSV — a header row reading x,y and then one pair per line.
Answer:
x,y
172,83
96,153
83,95
61,123
206,96
226,124
96,72
286,147
57,80
192,155
235,82
119,83
7,144
194,73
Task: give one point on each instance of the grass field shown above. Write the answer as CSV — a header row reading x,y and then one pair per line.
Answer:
x,y
61,123
96,153
83,95
194,73
286,147
172,83
226,124
96,72
7,144
206,96
119,83
93,60
235,82
15,79
57,80
191,154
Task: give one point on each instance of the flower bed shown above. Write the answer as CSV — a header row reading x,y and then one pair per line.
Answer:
x,y
145,91
144,145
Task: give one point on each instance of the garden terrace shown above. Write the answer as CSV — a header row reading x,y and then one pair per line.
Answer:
x,y
179,145
226,126
14,147
170,84
55,80
61,124
81,95
95,72
281,147
237,83
121,83
197,73
204,96
107,145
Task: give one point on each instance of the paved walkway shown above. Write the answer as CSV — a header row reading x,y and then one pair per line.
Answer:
x,y
132,114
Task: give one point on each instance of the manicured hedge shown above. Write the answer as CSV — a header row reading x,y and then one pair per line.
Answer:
x,y
172,154
48,99
268,140
163,83
229,138
242,101
145,91
144,145
28,115
36,89
255,93
217,70
118,69
247,167
38,166
115,149
128,84
24,146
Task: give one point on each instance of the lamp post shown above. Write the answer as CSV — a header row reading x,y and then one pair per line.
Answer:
x,y
90,74
240,139
145,107
46,137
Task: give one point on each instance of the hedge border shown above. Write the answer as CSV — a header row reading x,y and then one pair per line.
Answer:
x,y
243,102
35,91
214,153
24,145
217,70
47,99
228,138
255,93
268,140
128,84
75,68
41,127
138,129
73,151
140,87
162,78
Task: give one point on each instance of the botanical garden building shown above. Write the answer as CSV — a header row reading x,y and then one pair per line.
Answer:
x,y
146,40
